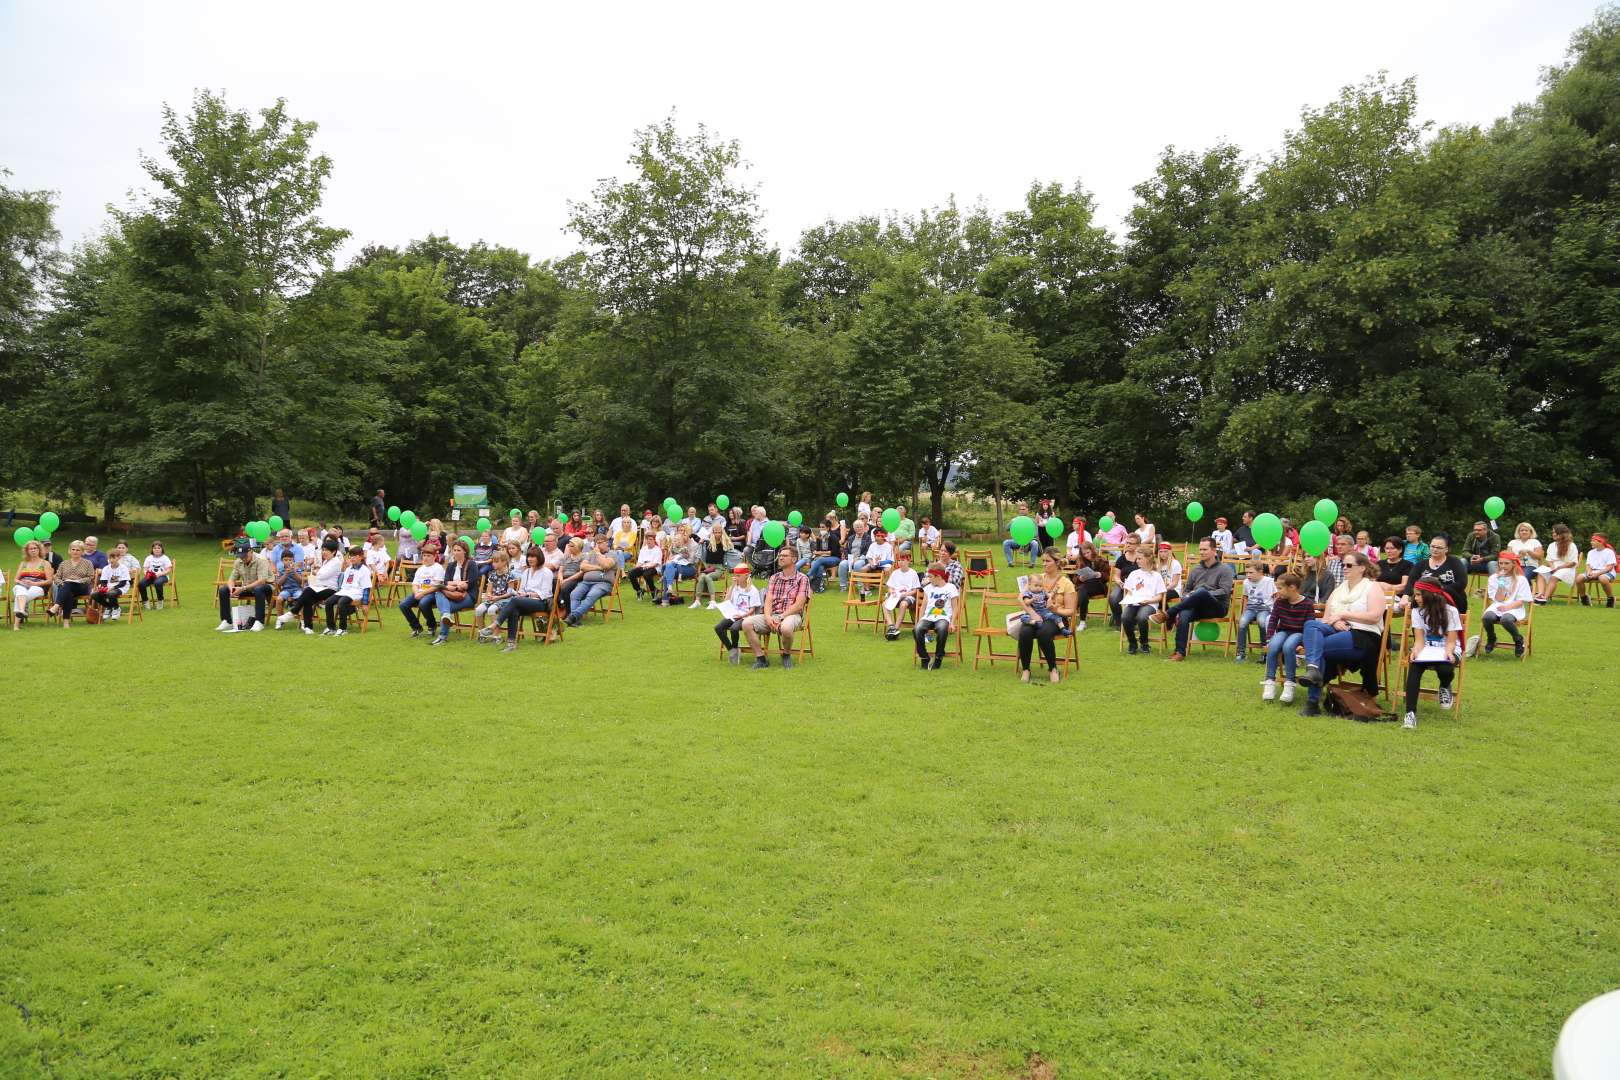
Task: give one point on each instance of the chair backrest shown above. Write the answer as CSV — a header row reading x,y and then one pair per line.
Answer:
x,y
994,607
864,579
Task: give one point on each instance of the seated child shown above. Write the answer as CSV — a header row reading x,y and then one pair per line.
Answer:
x,y
934,617
742,602
1285,633
1258,592
902,586
1139,599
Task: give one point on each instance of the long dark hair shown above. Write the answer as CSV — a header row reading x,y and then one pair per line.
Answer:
x,y
1432,602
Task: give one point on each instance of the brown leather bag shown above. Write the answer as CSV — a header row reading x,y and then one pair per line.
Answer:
x,y
1356,703
92,612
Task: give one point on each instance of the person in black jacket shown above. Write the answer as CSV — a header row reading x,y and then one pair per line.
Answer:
x,y
1446,570
1482,548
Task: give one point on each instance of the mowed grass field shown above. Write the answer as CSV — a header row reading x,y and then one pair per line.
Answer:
x,y
274,855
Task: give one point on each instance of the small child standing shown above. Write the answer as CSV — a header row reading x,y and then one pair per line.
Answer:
x,y
902,585
742,601
1285,632
1258,592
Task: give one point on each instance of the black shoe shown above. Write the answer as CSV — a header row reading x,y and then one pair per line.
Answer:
x,y
1518,650
1312,676
760,663
1311,708
1147,650
1586,601
1610,603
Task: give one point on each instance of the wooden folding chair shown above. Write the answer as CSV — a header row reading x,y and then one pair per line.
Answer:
x,y
1426,692
547,625
856,608
979,570
994,607
223,576
370,610
612,603
174,582
129,604
1163,630
803,646
1385,691
399,580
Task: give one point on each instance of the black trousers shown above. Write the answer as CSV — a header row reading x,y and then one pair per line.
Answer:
x,y
342,607
308,601
1042,633
1414,679
728,631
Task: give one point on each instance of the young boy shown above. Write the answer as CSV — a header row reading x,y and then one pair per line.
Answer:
x,y
289,581
1139,599
1258,592
1416,550
938,607
1222,536
903,586
1600,570
112,582
353,587
1285,632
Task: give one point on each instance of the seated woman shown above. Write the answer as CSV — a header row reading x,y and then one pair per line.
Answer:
x,y
714,570
1140,596
1349,633
1091,571
1048,603
320,585
354,585
1525,545
826,552
496,592
1394,572
33,581
1436,626
532,590
743,601
1562,561
459,590
1508,591
155,571
681,561
1599,570
649,566
74,578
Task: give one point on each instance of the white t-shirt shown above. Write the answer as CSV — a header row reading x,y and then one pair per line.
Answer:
x,y
939,602
1146,534
328,576
355,581
1526,551
864,508
929,535
409,550
515,534
745,597
1434,642
1074,542
1504,591
377,559
158,565
115,575
426,575
1571,555
903,580
880,553
532,580
649,557
1143,587
1223,539
1172,576
1600,560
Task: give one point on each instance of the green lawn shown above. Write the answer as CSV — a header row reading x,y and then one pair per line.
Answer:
x,y
273,855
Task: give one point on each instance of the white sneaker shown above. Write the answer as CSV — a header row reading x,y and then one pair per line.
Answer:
x,y
160,605
713,606
1288,691
1080,627
328,632
1268,690
1443,698
257,626
339,633
224,626
1473,647
309,630
1410,723
112,616
694,605
233,630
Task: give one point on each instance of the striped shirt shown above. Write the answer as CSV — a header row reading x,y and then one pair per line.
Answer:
x,y
1290,618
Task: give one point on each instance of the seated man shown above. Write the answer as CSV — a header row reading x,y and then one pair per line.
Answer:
x,y
1011,548
855,558
1206,594
597,570
1483,546
250,576
786,598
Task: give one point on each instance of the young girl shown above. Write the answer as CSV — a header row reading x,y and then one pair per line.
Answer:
x,y
1285,632
155,571
1562,559
497,591
34,574
1170,570
1599,570
1143,592
649,562
1436,627
742,601
1364,544
902,586
713,571
1509,593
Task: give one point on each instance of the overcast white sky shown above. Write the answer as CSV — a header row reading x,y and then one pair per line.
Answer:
x,y
482,120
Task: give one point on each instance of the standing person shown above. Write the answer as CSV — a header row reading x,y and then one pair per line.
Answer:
x,y
935,616
319,582
1285,633
742,603
1349,633
1599,570
354,582
34,574
1208,595
281,507
597,570
155,571
379,509
1436,627
786,598
902,587
1561,561
531,595
1259,592
1048,603
250,576
1509,594
459,589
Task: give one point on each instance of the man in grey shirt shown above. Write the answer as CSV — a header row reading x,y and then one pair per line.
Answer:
x,y
1207,594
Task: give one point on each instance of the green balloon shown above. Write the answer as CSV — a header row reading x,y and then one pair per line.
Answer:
x,y
1495,507
1207,631
1314,537
723,501
773,534
514,512
891,519
842,500
1023,530
538,535
1054,527
23,536
42,535
1267,530
484,525
1327,512
49,522
1195,511
795,518
1105,524
418,530
408,518
393,513
276,523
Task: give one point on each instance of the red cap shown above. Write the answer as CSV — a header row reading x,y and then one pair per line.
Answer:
x,y
939,571
739,570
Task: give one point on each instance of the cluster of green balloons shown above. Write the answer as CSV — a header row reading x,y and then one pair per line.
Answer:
x,y
672,509
258,530
48,524
842,500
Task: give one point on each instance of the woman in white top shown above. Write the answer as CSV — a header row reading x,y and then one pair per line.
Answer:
x,y
1349,634
323,585
649,561
531,594
515,533
1145,532
1562,560
1599,570
1525,545
155,571
1509,595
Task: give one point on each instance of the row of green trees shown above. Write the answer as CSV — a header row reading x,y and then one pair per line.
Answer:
x,y
1404,319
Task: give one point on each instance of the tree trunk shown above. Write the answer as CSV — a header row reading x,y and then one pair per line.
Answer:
x,y
999,525
109,511
1064,472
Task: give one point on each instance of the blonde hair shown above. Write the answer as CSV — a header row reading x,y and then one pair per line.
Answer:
x,y
1525,525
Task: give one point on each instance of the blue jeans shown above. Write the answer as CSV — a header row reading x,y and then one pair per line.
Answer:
x,y
585,596
1012,547
1248,617
1198,604
448,607
818,570
1325,647
1283,647
409,606
672,573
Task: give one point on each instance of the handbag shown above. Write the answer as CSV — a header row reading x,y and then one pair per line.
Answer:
x,y
92,613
